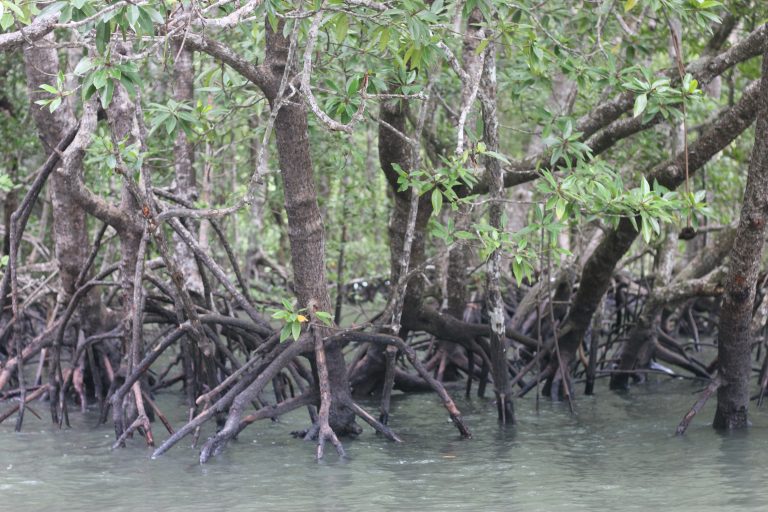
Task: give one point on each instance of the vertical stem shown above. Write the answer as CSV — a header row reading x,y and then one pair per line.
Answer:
x,y
499,369
340,260
733,342
16,331
389,381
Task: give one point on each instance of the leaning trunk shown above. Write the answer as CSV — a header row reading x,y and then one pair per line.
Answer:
x,y
598,269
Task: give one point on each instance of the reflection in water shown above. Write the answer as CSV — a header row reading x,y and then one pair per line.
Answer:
x,y
613,452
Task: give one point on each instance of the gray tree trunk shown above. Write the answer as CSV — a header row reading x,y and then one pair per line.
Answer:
x,y
733,340
495,303
184,163
70,231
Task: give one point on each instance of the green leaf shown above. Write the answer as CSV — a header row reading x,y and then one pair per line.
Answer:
x,y
560,208
482,46
437,201
517,270
646,229
154,15
128,84
106,93
54,104
51,9
170,125
645,187
273,21
100,78
497,156
16,10
103,33
629,4
285,332
145,22
640,103
342,27
296,330
6,185
6,21
83,66
133,15
324,317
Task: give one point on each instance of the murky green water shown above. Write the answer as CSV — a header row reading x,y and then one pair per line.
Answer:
x,y
614,453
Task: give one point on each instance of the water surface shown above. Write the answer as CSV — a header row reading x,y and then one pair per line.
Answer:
x,y
615,452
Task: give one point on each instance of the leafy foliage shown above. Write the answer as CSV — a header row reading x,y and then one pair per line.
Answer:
x,y
293,319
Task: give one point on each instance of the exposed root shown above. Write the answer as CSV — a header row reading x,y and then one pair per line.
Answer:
x,y
34,395
239,396
273,411
380,427
140,422
158,412
438,387
389,382
325,433
145,425
683,426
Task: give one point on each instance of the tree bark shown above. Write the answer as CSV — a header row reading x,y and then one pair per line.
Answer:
x,y
184,162
495,303
70,233
733,340
305,224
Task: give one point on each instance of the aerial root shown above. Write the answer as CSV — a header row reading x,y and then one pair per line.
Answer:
x,y
140,423
708,391
163,418
255,378
389,382
325,432
413,358
28,398
369,419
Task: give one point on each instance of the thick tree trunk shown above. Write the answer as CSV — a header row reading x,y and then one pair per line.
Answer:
x,y
70,228
121,116
733,340
458,258
495,304
368,375
393,150
305,227
70,234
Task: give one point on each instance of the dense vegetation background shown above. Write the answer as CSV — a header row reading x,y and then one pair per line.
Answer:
x,y
300,203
